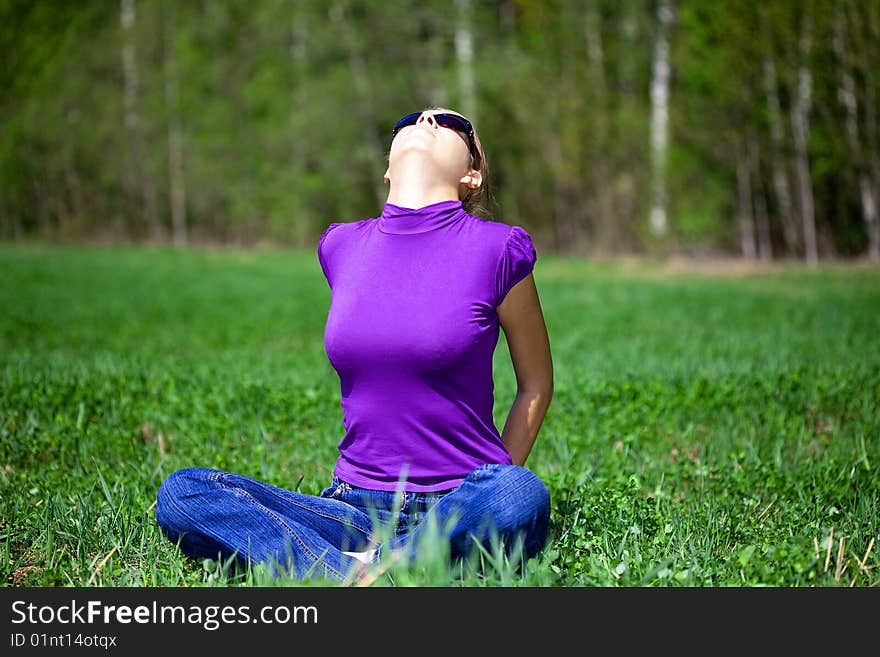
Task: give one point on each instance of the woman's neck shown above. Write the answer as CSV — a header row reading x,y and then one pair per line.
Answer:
x,y
415,198
418,186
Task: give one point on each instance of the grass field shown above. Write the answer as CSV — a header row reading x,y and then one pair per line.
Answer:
x,y
707,428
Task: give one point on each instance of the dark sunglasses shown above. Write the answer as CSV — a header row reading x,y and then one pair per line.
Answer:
x,y
451,121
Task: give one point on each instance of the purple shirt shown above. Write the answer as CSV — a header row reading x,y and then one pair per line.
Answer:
x,y
411,331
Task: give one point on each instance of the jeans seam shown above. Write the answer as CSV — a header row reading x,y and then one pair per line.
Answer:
x,y
269,512
347,523
238,490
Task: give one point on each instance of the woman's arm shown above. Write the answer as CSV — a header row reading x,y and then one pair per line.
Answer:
x,y
522,319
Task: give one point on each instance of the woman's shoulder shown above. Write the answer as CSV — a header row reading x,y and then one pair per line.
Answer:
x,y
488,227
332,242
337,230
341,227
501,234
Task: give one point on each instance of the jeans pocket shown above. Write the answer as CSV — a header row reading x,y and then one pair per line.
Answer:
x,y
335,490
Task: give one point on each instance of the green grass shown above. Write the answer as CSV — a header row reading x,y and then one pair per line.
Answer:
x,y
706,430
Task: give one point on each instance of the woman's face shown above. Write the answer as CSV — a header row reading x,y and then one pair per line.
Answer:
x,y
445,147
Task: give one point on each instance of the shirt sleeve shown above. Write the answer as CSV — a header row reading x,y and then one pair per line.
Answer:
x,y
516,262
325,250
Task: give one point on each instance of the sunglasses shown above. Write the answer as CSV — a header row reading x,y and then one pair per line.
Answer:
x,y
451,121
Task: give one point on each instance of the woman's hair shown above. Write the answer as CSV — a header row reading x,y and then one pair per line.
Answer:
x,y
473,201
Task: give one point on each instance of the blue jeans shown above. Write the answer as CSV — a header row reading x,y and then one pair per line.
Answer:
x,y
211,513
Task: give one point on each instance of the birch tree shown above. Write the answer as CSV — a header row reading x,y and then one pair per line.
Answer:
x,y
129,86
870,56
464,58
759,199
605,221
299,54
138,180
781,183
744,204
800,120
868,195
176,182
660,119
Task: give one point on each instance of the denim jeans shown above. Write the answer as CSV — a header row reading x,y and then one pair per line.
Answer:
x,y
210,514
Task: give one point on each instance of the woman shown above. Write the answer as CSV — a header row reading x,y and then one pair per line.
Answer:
x,y
417,298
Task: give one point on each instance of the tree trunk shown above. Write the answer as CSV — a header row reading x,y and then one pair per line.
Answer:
x,y
847,95
73,185
744,203
873,163
464,58
129,102
781,184
299,53
138,182
175,133
660,119
605,230
759,201
632,177
42,206
871,122
800,120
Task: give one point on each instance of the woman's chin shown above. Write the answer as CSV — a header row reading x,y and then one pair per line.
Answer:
x,y
414,144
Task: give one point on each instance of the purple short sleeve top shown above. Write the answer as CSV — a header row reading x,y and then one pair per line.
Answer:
x,y
411,331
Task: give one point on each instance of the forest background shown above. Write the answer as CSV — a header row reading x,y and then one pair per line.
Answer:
x,y
742,129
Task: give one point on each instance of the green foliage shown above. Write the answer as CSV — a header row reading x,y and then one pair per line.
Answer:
x,y
705,430
284,110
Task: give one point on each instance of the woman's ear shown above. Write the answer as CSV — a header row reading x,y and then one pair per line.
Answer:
x,y
473,179
386,179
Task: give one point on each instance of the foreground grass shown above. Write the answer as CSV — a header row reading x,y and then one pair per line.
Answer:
x,y
705,430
